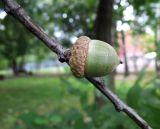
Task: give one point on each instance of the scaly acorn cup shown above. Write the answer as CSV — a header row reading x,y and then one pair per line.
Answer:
x,y
92,58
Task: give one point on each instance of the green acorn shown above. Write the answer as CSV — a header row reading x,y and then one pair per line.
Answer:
x,y
92,58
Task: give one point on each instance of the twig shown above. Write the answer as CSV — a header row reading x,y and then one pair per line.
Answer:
x,y
119,105
19,13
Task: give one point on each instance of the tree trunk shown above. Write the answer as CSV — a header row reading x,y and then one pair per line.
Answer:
x,y
103,23
103,27
135,57
14,66
18,69
158,51
126,72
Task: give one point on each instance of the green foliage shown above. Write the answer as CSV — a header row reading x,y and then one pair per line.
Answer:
x,y
147,8
143,6
73,118
70,18
3,64
13,44
145,98
67,17
16,41
132,99
147,103
148,42
42,96
69,104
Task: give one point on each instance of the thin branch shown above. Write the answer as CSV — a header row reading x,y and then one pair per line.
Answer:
x,y
119,105
19,13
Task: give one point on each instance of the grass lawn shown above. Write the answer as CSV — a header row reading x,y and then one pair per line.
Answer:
x,y
45,94
37,94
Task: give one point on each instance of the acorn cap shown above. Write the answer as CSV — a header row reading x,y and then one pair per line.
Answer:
x,y
78,57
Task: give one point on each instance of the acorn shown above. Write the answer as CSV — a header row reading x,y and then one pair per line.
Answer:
x,y
92,58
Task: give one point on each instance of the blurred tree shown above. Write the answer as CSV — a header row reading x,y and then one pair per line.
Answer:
x,y
72,19
157,11
103,23
126,73
64,20
118,16
16,42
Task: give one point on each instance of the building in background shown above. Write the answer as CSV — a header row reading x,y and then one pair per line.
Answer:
x,y
138,52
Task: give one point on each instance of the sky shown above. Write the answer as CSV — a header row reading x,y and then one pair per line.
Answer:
x,y
2,14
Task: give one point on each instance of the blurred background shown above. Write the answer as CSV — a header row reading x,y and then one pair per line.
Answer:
x,y
38,92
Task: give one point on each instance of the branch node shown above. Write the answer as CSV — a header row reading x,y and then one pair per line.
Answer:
x,y
7,10
65,56
119,107
62,59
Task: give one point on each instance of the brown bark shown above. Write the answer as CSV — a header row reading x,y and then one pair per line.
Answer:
x,y
135,57
18,68
126,72
158,51
103,23
14,66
